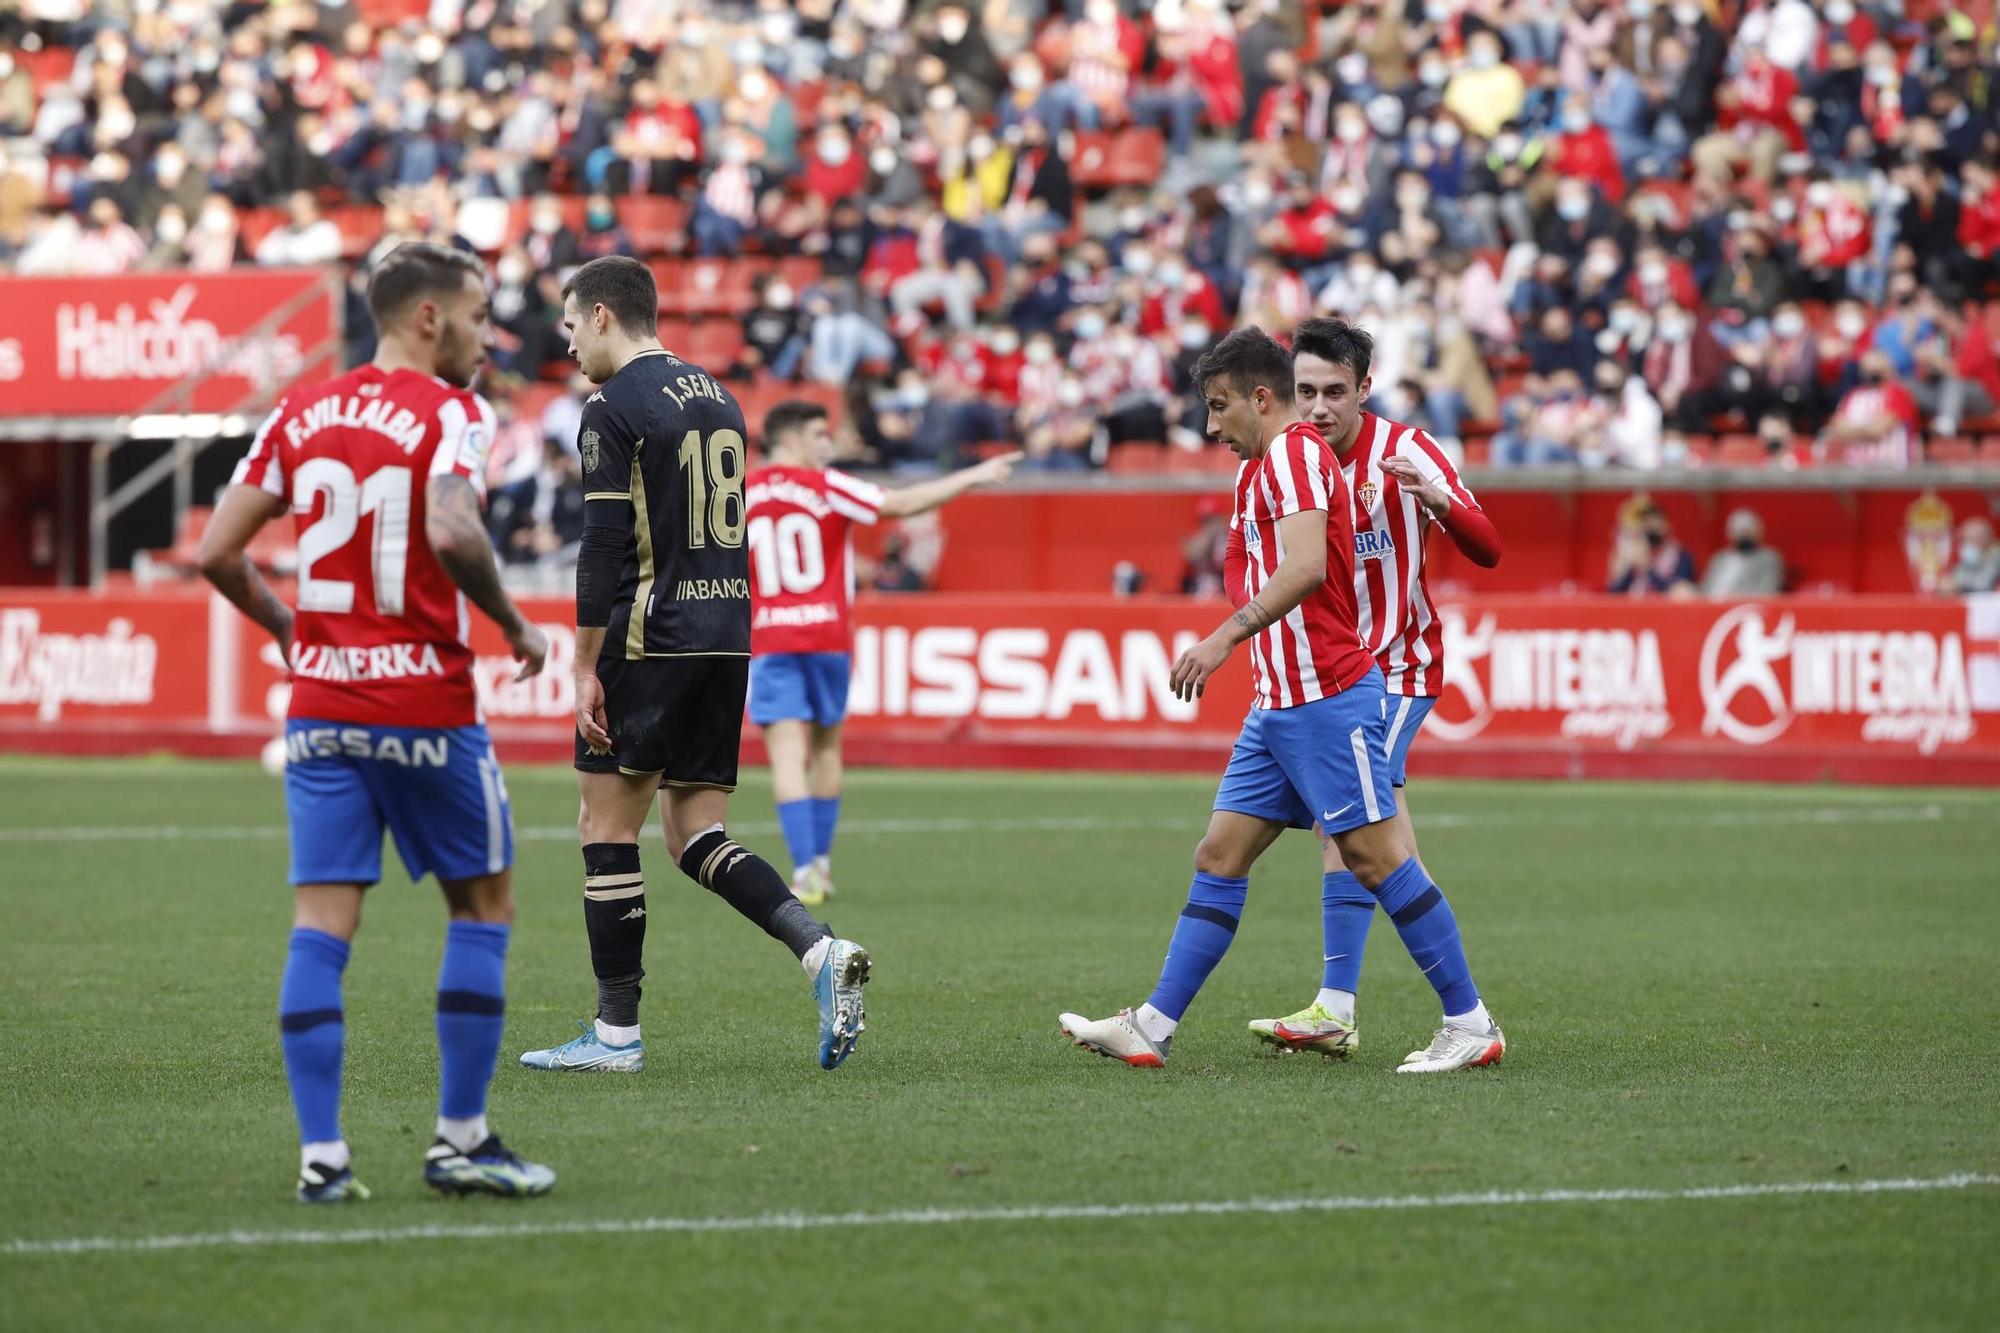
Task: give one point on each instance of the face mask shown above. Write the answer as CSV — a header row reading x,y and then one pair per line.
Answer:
x,y
1446,134
1138,261
1624,319
1508,146
775,29
1819,195
1352,68
940,98
1652,273
513,272
1090,326
1412,198
735,152
170,228
1572,209
1193,335
1784,210
1040,354
1353,131
215,220
1673,327
882,161
1746,544
914,396
601,218
1485,58
1101,11
1687,15
1026,77
1132,220
1849,323
1433,76
779,296
1789,325
952,28
1436,11
1172,274
980,148
1656,539
1840,12
1069,393
1971,553
1576,120
835,152
756,85
1882,76
1640,9
1601,265
547,224
428,49
1256,193
1006,342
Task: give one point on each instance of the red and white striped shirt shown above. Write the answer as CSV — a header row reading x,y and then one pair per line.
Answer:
x,y
801,557
1315,651
1396,618
382,633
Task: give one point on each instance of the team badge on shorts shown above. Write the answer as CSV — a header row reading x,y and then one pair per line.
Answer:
x,y
590,447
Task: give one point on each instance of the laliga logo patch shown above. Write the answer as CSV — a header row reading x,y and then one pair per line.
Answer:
x,y
591,448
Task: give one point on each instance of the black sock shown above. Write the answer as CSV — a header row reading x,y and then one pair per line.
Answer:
x,y
747,883
614,911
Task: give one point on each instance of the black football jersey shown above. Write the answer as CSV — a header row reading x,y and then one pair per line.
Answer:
x,y
665,434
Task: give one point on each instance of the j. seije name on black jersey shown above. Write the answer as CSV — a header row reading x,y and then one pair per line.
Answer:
x,y
688,387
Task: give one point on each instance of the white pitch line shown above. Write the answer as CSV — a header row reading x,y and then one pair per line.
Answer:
x,y
1824,815
930,1217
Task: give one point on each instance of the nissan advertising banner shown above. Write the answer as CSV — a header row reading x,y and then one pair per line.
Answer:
x,y
104,347
1894,690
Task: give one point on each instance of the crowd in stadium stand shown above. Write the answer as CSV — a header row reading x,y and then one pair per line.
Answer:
x,y
1595,232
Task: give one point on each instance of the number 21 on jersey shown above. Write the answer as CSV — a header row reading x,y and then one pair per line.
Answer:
x,y
385,494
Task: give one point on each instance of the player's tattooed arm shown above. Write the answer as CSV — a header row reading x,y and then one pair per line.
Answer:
x,y
243,511
1251,617
456,531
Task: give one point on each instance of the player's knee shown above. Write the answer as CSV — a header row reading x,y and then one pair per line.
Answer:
x,y
1216,856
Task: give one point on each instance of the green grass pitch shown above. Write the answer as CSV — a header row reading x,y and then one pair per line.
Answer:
x,y
1704,986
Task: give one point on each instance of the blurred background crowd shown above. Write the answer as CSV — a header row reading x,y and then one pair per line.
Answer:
x,y
1583,232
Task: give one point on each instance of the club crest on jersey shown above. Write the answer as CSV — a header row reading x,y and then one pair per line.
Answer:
x,y
1371,545
1366,493
591,448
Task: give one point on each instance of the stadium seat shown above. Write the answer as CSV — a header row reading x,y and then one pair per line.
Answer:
x,y
254,224
1090,165
1989,450
360,227
1955,450
656,224
705,286
1740,450
1138,156
1135,459
1213,461
714,344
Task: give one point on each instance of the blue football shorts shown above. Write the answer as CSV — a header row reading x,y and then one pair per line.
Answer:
x,y
799,687
1323,763
1406,717
437,790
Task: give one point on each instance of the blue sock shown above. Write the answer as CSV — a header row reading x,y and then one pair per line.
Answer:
x,y
1430,932
1346,910
826,814
801,837
471,1011
1201,937
311,1029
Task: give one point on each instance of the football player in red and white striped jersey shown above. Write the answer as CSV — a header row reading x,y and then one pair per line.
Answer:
x,y
1403,486
801,517
1313,750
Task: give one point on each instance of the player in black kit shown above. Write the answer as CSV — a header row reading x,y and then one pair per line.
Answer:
x,y
662,663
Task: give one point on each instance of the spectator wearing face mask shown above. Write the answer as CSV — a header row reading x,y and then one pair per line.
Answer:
x,y
1632,426
1645,558
108,244
1957,373
1977,569
1584,151
1746,567
1486,93
601,233
1876,422
1683,368
774,331
1835,240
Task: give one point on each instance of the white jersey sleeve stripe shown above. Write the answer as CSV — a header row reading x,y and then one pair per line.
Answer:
x,y
260,467
862,499
1437,469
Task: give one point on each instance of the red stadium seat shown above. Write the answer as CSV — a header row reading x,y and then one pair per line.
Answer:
x,y
254,224
1131,459
1739,450
1989,450
1090,165
360,227
705,286
656,224
1138,156
1955,450
1213,461
714,344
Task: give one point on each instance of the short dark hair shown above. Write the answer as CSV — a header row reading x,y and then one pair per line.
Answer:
x,y
1337,341
788,416
621,285
415,270
1246,358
